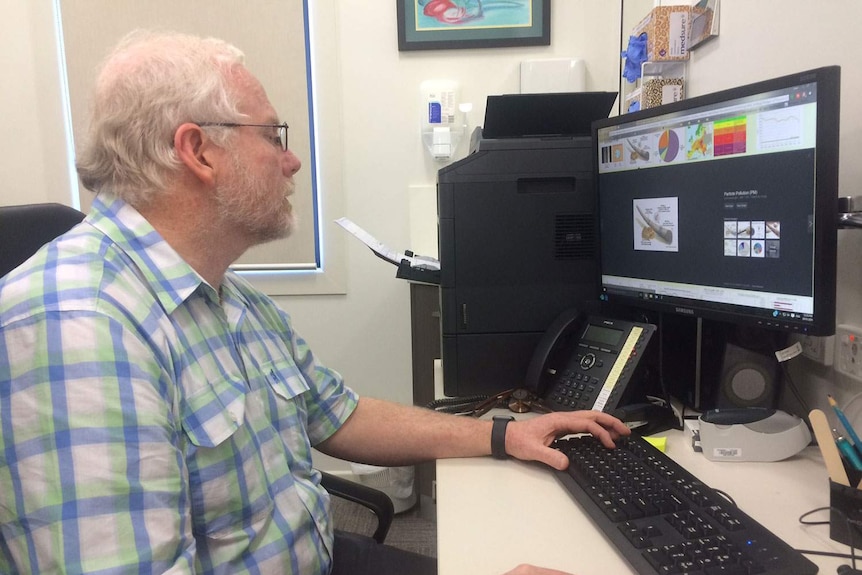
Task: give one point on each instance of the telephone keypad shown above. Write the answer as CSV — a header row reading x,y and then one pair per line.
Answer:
x,y
574,390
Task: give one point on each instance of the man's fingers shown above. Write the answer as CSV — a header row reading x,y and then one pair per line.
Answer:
x,y
555,458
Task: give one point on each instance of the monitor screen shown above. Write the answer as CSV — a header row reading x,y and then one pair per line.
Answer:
x,y
724,206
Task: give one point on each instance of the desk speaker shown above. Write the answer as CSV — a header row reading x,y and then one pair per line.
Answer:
x,y
749,378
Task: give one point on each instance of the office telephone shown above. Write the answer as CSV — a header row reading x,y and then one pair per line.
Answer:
x,y
587,362
582,361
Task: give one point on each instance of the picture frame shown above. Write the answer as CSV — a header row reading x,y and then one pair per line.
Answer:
x,y
459,24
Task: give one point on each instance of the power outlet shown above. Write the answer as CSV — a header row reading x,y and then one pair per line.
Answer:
x,y
849,352
819,349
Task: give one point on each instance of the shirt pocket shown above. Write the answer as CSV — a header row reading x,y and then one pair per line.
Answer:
x,y
228,489
285,379
214,412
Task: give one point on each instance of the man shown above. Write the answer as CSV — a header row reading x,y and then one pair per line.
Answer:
x,y
157,413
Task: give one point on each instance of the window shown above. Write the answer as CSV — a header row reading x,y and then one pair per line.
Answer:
x,y
280,43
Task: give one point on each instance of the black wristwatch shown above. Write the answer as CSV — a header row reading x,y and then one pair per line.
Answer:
x,y
498,436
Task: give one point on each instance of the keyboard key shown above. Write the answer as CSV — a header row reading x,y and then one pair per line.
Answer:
x,y
656,557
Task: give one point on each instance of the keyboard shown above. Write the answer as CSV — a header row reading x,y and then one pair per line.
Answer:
x,y
664,520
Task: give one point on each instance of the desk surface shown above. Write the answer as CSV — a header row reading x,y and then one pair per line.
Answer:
x,y
493,515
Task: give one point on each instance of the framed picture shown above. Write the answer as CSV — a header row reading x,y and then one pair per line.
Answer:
x,y
452,24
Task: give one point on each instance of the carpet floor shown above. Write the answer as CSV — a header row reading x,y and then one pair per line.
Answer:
x,y
409,531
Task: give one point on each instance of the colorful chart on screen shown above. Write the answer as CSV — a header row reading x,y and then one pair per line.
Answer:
x,y
668,145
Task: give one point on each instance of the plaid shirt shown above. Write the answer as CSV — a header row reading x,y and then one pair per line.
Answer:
x,y
150,423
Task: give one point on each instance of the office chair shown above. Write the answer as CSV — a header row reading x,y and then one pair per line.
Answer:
x,y
24,229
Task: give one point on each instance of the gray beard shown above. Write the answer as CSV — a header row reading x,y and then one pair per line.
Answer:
x,y
241,204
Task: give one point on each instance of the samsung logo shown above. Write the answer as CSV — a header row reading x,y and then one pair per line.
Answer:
x,y
684,310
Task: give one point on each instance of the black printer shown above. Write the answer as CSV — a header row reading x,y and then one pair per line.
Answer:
x,y
518,237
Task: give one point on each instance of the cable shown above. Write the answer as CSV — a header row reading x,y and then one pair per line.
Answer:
x,y
457,405
726,496
807,513
450,401
792,384
825,553
793,389
852,528
474,406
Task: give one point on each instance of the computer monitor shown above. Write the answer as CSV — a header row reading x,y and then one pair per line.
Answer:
x,y
724,206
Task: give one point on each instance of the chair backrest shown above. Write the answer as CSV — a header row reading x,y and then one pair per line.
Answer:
x,y
25,229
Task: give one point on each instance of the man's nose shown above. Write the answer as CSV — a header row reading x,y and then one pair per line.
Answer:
x,y
290,163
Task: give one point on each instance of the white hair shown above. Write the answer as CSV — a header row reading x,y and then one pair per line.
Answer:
x,y
150,84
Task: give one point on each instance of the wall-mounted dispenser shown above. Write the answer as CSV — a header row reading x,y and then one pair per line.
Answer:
x,y
553,75
850,212
443,125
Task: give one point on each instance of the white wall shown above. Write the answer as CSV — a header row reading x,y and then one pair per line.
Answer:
x,y
366,334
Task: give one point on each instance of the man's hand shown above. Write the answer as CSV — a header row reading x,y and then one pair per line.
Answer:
x,y
530,439
533,570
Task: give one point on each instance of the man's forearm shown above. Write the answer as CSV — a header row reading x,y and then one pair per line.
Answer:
x,y
386,433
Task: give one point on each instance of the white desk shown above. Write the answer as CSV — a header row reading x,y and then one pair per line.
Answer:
x,y
493,515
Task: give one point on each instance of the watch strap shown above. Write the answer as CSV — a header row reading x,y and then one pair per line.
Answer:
x,y
498,436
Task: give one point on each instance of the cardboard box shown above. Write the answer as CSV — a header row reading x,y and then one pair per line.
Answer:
x,y
667,29
662,82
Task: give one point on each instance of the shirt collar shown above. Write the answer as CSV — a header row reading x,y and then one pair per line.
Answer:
x,y
171,279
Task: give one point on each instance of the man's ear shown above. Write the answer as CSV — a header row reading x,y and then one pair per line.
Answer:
x,y
194,150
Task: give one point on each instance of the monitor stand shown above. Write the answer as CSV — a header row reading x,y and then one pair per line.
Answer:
x,y
692,350
709,364
698,365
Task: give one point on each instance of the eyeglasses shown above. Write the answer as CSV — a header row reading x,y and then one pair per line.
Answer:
x,y
280,139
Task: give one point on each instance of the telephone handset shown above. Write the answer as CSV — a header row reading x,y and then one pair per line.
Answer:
x,y
586,362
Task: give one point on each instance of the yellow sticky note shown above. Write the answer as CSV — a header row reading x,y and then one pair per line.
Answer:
x,y
659,443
